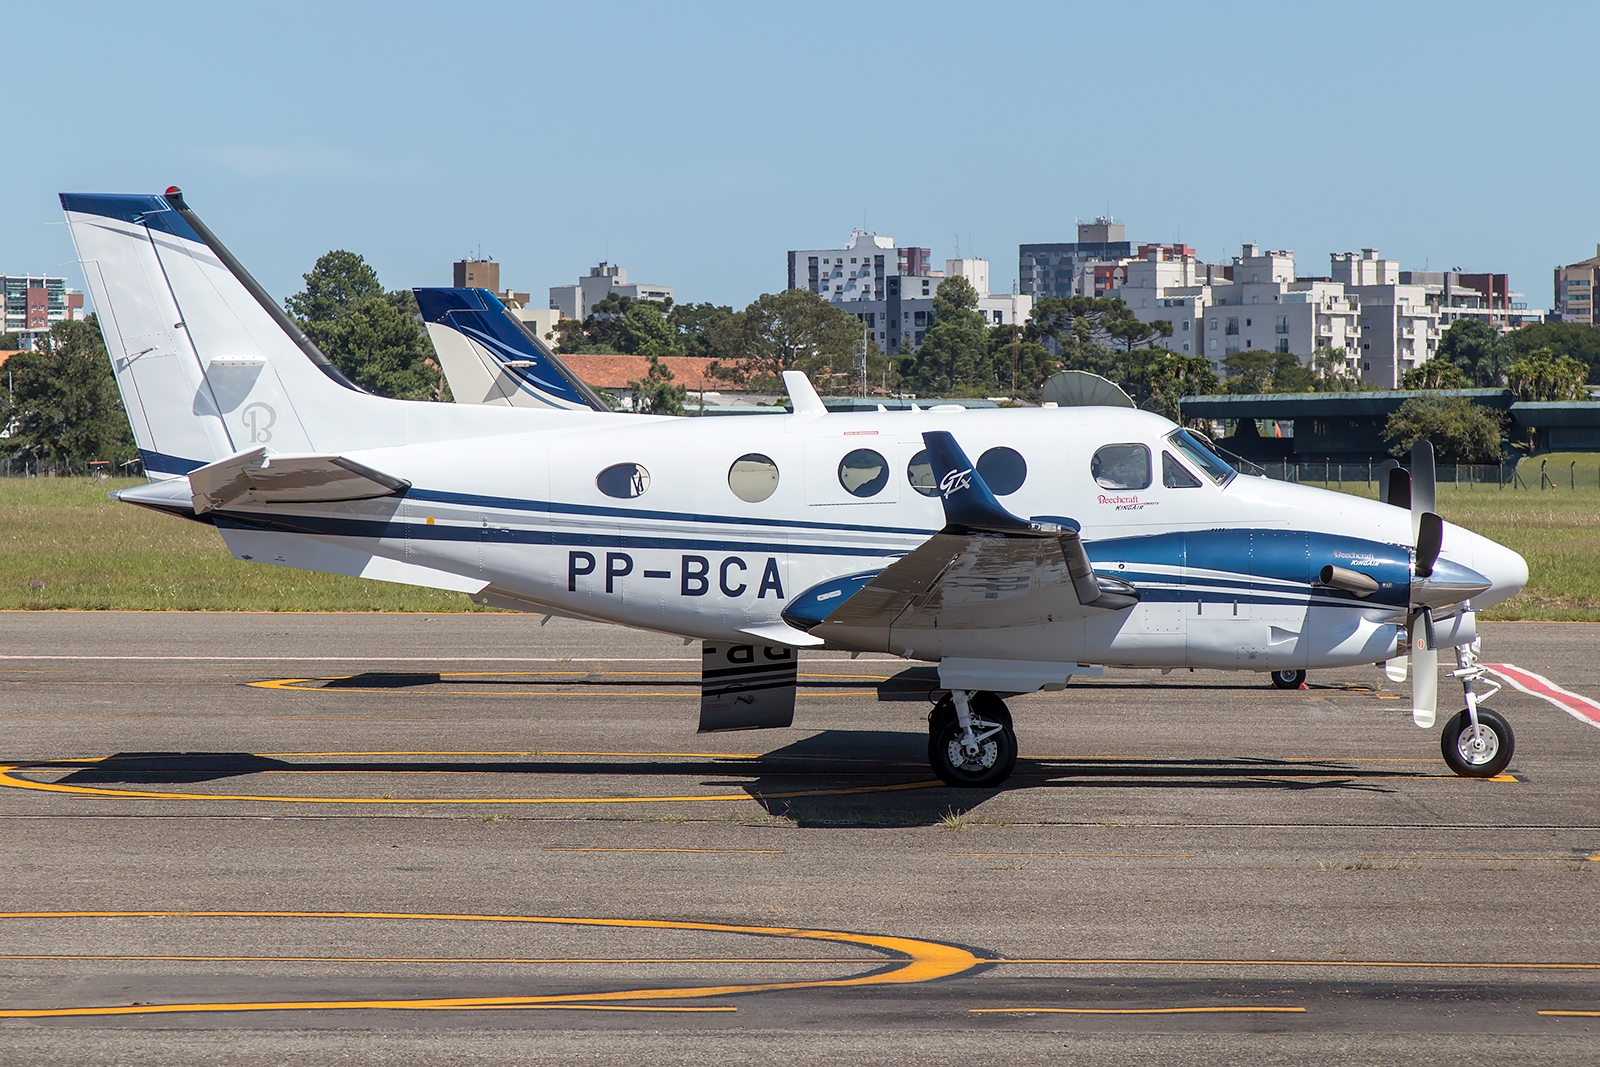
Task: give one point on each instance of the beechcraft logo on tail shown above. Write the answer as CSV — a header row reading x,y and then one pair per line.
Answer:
x,y
955,481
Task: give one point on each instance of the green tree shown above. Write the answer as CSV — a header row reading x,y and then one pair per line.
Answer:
x,y
654,394
63,403
1020,368
646,331
1258,371
954,358
339,283
1168,377
621,324
1478,349
701,329
1131,332
1334,374
1435,374
1543,375
1572,339
792,330
375,338
1461,431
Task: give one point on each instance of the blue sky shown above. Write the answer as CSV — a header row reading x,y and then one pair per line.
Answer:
x,y
696,143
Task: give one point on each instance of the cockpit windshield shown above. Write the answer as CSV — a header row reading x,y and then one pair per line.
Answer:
x,y
1215,467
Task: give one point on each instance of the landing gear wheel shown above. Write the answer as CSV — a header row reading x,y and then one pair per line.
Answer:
x,y
1486,757
997,743
1288,679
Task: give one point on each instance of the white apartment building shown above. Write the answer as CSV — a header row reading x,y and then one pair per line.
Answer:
x,y
1366,309
997,309
574,301
1575,289
1254,304
33,303
1400,325
889,288
975,271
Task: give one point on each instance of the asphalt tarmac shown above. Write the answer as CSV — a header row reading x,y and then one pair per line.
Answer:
x,y
474,839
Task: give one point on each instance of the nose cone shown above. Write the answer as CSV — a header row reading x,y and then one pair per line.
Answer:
x,y
1506,571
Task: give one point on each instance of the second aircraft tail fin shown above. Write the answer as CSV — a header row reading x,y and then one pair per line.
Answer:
x,y
490,357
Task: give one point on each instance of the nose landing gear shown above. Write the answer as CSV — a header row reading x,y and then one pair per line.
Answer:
x,y
971,743
1477,743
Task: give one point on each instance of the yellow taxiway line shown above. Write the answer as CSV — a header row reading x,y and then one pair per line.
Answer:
x,y
918,961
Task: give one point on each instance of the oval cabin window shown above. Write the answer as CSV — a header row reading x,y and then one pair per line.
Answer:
x,y
1003,470
753,477
863,473
623,481
919,472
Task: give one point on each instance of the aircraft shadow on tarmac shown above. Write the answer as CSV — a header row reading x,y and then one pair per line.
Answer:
x,y
863,778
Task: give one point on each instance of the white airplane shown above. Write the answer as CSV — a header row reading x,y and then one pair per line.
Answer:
x,y
1122,540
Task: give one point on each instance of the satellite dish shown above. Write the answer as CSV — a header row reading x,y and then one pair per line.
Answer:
x,y
1080,389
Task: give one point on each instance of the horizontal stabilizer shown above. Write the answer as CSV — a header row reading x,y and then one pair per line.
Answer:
x,y
261,477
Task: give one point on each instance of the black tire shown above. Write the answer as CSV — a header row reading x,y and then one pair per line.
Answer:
x,y
997,755
1288,679
1456,743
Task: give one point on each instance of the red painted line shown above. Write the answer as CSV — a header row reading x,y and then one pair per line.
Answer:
x,y
1579,707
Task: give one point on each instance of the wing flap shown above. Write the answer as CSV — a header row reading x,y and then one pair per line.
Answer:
x,y
262,477
979,581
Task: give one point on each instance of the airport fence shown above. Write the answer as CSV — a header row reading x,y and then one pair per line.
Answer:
x,y
22,467
1462,476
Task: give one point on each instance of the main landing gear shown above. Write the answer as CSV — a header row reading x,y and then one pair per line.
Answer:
x,y
1477,743
970,740
1288,679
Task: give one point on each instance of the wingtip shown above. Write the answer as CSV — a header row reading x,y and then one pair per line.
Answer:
x,y
968,501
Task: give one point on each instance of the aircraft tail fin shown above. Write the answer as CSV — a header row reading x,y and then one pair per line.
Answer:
x,y
207,363
490,357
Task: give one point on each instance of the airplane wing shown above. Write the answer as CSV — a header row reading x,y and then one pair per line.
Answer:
x,y
986,569
262,477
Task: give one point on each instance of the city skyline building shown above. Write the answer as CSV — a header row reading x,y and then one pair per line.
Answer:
x,y
574,301
1085,267
888,287
1574,291
33,303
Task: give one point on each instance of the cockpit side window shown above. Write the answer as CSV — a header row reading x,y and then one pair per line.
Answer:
x,y
1121,467
1175,475
1214,466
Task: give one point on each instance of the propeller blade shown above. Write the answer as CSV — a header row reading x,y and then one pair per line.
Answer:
x,y
1422,487
1425,670
1430,538
1395,669
1394,483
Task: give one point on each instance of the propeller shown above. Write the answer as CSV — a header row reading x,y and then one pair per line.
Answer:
x,y
1427,532
1432,584
1394,481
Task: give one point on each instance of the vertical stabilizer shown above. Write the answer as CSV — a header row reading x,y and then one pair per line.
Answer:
x,y
490,357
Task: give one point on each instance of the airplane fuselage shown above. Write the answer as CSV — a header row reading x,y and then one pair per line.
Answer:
x,y
1226,572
